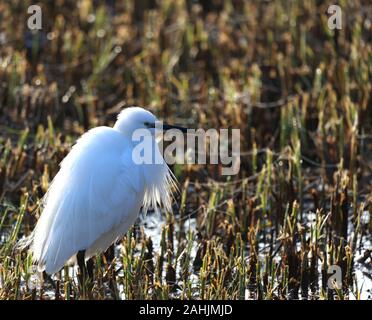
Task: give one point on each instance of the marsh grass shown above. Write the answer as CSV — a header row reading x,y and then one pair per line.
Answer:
x,y
299,92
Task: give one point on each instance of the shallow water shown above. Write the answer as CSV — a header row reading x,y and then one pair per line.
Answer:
x,y
153,224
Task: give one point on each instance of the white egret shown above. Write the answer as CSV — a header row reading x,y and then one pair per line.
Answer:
x,y
98,192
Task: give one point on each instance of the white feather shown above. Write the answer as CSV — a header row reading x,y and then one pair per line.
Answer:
x,y
96,196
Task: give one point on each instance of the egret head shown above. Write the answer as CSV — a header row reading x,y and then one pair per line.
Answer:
x,y
134,118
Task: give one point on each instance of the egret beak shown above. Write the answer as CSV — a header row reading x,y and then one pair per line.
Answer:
x,y
170,127
166,127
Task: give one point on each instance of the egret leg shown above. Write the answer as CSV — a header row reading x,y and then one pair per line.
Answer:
x,y
49,279
84,271
85,268
110,255
90,268
80,256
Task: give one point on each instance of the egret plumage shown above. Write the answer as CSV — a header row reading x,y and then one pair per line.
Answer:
x,y
97,194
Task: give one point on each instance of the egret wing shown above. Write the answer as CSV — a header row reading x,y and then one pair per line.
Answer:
x,y
97,188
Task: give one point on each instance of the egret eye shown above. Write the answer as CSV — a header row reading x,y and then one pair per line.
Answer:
x,y
149,125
